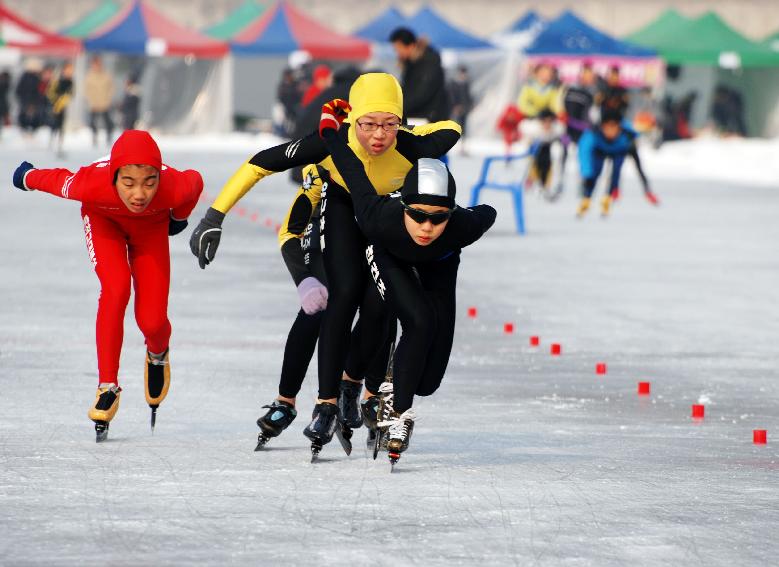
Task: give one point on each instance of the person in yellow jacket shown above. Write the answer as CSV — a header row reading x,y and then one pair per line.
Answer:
x,y
388,150
539,100
60,93
300,249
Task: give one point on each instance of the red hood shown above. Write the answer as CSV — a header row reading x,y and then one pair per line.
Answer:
x,y
135,147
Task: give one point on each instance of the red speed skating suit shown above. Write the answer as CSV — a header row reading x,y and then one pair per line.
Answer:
x,y
123,245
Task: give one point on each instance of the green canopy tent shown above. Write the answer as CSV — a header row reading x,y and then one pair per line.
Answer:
x,y
93,21
236,21
666,25
709,53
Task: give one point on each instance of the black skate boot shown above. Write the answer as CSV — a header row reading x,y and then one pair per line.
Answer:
x,y
280,415
369,408
325,421
399,429
386,400
157,380
348,403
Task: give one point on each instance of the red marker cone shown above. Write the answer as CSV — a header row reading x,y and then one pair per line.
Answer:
x,y
600,368
472,312
254,217
698,411
535,341
760,436
644,388
508,328
556,349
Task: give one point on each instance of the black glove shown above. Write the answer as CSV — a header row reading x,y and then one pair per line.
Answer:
x,y
175,226
205,238
19,174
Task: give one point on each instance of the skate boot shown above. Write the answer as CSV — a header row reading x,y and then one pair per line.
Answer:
x,y
652,198
584,205
369,408
157,379
400,427
348,403
280,415
605,205
104,408
324,423
386,399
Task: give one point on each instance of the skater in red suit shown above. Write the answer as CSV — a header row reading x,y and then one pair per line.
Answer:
x,y
131,203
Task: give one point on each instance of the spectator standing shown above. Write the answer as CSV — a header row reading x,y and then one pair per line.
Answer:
x,y
99,90
321,78
5,88
29,97
460,97
59,94
422,77
131,103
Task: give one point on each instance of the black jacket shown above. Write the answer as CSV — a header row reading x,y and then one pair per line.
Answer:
x,y
424,87
380,217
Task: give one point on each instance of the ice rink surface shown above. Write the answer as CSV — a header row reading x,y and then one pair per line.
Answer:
x,y
521,458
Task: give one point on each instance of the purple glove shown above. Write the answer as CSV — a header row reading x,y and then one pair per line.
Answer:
x,y
313,295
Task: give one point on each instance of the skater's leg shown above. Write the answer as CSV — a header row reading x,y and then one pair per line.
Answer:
x,y
406,298
633,153
298,351
107,248
149,257
347,278
440,282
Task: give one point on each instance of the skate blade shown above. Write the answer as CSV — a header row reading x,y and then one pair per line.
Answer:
x,y
101,431
153,417
344,435
393,458
370,441
261,441
315,449
377,443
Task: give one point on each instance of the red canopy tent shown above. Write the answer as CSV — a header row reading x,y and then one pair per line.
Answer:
x,y
284,29
140,29
18,33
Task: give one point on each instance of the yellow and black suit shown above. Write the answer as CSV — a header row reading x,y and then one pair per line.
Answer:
x,y
344,244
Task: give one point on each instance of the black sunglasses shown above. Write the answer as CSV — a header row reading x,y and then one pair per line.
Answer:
x,y
420,216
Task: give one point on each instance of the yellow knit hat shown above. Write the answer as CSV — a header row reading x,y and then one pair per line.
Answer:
x,y
375,92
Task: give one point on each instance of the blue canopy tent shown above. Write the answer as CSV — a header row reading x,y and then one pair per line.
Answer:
x,y
568,41
570,35
530,21
443,35
426,22
379,29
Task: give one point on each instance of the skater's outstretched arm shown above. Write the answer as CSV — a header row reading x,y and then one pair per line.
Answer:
x,y
58,182
429,140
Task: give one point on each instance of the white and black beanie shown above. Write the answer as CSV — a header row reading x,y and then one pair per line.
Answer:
x,y
429,182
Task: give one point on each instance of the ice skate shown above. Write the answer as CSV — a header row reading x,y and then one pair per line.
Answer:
x,y
605,205
157,379
348,404
325,422
399,429
104,409
652,198
385,409
583,207
370,411
280,414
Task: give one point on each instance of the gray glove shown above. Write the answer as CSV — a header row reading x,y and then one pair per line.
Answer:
x,y
313,295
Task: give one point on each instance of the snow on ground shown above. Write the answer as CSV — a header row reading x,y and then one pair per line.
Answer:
x,y
520,459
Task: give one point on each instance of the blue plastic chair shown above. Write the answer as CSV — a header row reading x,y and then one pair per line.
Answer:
x,y
515,188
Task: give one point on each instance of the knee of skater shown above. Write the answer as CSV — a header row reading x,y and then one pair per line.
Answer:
x,y
420,321
152,325
117,295
427,390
